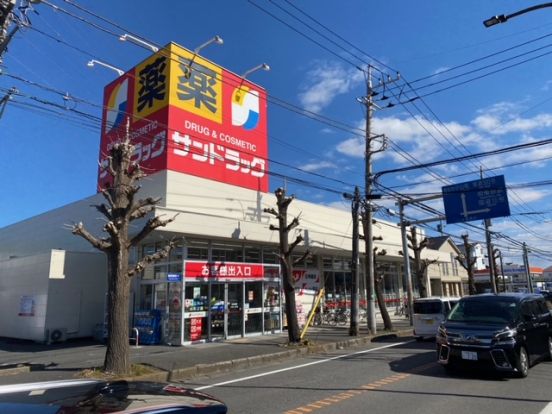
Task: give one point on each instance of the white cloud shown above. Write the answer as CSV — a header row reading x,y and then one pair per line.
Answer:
x,y
502,118
324,82
353,147
440,70
317,166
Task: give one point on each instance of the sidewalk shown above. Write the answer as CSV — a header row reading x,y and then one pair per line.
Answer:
x,y
22,361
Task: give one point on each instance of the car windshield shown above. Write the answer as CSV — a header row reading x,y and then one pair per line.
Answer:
x,y
428,307
495,311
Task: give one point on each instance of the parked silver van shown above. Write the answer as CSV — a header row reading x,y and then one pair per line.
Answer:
x,y
429,313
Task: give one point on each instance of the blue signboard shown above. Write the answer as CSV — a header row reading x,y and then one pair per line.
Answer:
x,y
171,277
476,200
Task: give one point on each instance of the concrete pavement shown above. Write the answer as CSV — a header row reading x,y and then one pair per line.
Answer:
x,y
24,361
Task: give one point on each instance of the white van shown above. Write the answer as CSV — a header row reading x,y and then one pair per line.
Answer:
x,y
429,313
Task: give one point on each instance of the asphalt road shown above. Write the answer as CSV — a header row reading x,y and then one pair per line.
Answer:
x,y
389,377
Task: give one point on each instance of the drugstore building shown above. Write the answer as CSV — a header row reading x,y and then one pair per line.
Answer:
x,y
201,134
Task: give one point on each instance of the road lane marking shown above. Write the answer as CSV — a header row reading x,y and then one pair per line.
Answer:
x,y
334,399
320,361
547,409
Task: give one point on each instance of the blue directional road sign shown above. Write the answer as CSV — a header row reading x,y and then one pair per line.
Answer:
x,y
476,200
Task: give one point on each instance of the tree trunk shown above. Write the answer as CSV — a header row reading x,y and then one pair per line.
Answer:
x,y
291,310
117,357
387,324
471,282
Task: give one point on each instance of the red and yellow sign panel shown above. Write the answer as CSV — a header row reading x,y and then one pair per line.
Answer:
x,y
188,115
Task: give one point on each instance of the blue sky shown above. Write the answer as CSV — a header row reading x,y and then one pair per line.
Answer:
x,y
50,154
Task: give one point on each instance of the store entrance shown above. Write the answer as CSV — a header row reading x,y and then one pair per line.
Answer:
x,y
217,309
235,309
226,308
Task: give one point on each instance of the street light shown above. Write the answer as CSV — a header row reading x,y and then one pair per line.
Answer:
x,y
262,66
504,18
138,41
188,68
94,62
217,39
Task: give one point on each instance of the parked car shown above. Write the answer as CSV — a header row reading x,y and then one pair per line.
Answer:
x,y
507,332
93,396
429,313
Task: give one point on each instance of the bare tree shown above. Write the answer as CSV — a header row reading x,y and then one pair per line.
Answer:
x,y
419,265
121,209
379,275
286,260
467,262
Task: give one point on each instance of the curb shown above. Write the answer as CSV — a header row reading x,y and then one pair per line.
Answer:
x,y
14,370
258,360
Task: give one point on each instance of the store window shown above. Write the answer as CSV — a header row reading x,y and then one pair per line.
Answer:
x,y
253,254
160,271
227,253
197,250
177,252
270,255
195,312
146,297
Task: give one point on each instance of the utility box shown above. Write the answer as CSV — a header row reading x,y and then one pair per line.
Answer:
x,y
52,297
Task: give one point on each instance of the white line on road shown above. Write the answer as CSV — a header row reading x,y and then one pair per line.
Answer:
x,y
320,361
547,409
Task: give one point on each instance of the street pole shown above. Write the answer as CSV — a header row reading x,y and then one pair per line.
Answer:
x,y
406,258
6,7
502,271
490,254
369,242
355,205
527,269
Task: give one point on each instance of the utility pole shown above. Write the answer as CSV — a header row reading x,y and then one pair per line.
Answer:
x,y
490,255
502,271
367,219
527,269
6,7
407,281
367,216
355,205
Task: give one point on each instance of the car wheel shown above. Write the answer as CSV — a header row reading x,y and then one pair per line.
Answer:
x,y
549,353
522,364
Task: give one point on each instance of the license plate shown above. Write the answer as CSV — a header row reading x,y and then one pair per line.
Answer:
x,y
429,321
472,356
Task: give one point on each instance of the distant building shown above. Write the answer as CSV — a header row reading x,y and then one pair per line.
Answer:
x,y
446,277
512,278
477,253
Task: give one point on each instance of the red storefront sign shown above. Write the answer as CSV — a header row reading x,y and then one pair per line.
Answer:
x,y
189,115
195,329
222,270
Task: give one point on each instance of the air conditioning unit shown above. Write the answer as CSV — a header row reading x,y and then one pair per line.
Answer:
x,y
56,335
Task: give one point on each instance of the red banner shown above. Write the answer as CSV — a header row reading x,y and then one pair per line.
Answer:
x,y
222,270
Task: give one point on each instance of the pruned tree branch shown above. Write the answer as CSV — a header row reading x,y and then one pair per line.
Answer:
x,y
143,207
294,223
100,244
107,195
151,225
272,211
102,208
298,240
300,259
151,258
